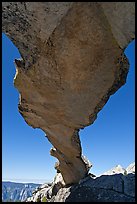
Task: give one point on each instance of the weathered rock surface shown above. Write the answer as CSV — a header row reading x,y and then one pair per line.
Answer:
x,y
93,191
131,168
120,170
122,21
72,61
116,170
117,187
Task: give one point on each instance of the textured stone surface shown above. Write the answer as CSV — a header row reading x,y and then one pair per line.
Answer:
x,y
105,188
116,170
131,168
87,194
129,184
72,61
121,17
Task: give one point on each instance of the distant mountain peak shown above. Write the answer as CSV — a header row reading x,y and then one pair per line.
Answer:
x,y
131,168
118,169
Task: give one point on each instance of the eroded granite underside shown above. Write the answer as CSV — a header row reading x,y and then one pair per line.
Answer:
x,y
72,61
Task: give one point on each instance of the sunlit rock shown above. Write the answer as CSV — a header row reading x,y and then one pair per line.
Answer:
x,y
72,62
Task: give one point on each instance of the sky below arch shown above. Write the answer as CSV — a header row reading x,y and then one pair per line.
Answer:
x,y
108,142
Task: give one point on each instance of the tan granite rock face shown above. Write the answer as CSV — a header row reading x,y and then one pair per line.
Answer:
x,y
72,61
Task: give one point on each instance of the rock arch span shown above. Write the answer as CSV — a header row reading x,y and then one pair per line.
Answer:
x,y
72,62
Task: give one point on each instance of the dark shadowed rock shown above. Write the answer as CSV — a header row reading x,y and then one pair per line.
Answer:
x,y
129,184
106,188
119,187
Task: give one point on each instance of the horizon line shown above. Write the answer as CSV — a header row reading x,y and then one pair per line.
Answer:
x,y
37,181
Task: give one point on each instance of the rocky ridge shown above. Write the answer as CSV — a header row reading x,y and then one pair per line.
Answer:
x,y
115,185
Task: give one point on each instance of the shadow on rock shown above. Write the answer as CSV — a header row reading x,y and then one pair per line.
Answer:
x,y
106,188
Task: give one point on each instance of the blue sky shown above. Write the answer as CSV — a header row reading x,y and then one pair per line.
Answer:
x,y
108,142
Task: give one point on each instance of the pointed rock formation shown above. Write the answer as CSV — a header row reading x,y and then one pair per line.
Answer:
x,y
131,168
116,170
